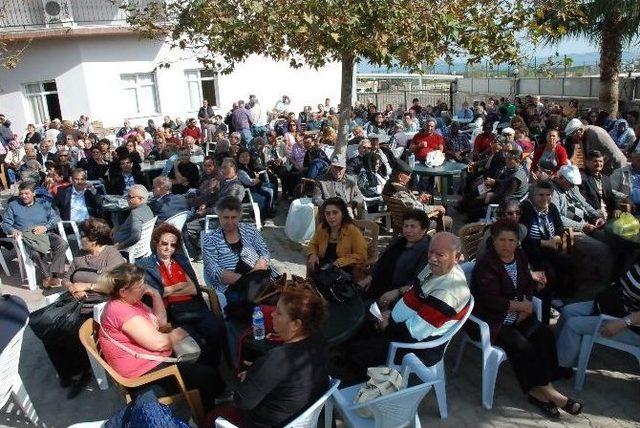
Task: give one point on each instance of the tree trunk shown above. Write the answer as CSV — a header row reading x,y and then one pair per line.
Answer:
x,y
610,60
346,103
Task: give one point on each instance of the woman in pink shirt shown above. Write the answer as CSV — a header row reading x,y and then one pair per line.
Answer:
x,y
136,326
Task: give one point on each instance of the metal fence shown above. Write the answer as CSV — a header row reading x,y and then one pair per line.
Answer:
x,y
396,98
16,15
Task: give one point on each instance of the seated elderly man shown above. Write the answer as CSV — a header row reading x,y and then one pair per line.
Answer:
x,y
190,143
355,163
575,212
424,309
625,182
121,181
596,187
129,232
185,174
164,203
398,187
76,202
34,219
335,183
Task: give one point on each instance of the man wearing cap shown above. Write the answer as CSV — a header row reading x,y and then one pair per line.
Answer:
x,y
625,181
335,183
593,137
576,213
596,187
397,187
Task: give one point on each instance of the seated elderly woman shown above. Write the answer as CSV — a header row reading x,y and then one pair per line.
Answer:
x,y
128,323
621,300
543,244
81,280
172,275
400,261
503,287
233,249
336,241
290,377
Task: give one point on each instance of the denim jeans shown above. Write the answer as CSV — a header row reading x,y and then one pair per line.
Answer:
x,y
259,131
577,320
247,137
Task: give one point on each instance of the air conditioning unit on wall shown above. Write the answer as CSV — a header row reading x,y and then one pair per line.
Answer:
x,y
57,13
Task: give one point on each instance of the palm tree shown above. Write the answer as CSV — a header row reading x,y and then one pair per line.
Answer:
x,y
612,24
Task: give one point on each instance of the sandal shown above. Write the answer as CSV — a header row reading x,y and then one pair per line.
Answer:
x,y
570,407
548,408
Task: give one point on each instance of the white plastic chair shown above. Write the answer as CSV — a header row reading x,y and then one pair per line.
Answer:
x,y
75,235
142,248
178,221
435,373
27,267
253,206
492,356
308,419
97,424
587,346
397,410
11,386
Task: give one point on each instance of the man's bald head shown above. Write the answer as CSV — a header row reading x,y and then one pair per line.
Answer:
x,y
444,252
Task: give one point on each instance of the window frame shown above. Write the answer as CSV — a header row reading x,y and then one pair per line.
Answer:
x,y
42,94
214,78
125,86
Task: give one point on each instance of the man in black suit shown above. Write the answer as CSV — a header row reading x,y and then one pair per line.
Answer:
x,y
121,181
44,153
76,202
596,187
164,203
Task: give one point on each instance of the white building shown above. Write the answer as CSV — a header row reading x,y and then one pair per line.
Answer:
x,y
83,59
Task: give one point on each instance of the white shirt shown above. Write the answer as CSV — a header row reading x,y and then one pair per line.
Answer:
x,y
79,211
257,115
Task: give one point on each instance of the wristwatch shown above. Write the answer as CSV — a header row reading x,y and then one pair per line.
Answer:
x,y
627,321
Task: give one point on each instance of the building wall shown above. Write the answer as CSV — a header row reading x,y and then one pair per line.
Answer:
x,y
87,72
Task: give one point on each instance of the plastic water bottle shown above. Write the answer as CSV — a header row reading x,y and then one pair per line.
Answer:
x,y
258,324
412,160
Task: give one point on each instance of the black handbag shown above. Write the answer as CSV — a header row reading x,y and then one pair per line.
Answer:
x,y
93,298
62,317
241,296
334,284
185,312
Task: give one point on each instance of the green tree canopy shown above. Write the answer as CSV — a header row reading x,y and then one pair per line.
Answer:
x,y
408,34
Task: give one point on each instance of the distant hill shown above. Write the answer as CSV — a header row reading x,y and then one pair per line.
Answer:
x,y
590,58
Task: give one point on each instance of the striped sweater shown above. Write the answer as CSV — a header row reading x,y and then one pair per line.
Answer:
x,y
218,256
436,305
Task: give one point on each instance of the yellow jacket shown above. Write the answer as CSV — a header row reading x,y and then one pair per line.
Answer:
x,y
351,248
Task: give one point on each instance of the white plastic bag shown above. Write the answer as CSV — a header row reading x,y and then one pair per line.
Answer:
x,y
434,158
301,224
382,381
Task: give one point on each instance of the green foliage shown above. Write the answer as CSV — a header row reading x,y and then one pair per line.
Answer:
x,y
409,34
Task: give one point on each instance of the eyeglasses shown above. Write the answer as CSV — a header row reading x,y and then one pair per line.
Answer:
x,y
171,244
133,196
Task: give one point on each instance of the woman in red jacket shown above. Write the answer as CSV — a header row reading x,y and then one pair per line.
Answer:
x,y
548,159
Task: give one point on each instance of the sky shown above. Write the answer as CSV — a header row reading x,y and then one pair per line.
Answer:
x,y
568,46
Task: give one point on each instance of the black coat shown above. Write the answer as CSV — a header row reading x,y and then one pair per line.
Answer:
x,y
589,190
62,202
116,181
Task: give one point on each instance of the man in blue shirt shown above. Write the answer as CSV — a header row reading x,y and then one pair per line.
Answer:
x,y
34,220
76,202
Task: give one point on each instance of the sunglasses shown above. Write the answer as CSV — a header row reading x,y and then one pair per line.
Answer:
x,y
165,243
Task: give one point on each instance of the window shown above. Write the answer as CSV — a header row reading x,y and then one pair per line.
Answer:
x,y
140,95
202,85
43,101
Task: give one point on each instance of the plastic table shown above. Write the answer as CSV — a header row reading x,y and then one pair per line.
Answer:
x,y
446,170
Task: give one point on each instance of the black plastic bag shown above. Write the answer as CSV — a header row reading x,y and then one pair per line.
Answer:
x,y
334,284
61,318
241,296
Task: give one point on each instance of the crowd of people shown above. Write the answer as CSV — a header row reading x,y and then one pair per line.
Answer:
x,y
547,167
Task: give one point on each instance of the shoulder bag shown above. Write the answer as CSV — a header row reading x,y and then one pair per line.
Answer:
x,y
185,351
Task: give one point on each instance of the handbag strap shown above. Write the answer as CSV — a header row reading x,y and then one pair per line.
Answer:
x,y
135,354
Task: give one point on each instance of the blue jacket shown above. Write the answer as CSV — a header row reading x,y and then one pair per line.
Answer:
x,y
23,218
168,205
